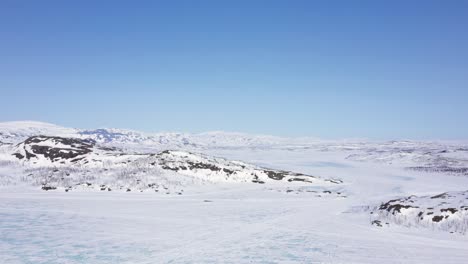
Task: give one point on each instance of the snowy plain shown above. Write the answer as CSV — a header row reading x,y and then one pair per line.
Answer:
x,y
234,222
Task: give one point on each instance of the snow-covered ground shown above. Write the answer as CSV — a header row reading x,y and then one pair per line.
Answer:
x,y
227,197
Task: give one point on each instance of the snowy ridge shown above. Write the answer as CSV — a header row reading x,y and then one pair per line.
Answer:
x,y
64,163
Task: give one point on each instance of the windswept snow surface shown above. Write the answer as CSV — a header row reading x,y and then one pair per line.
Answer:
x,y
227,198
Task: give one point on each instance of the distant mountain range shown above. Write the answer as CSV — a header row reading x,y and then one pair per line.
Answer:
x,y
451,157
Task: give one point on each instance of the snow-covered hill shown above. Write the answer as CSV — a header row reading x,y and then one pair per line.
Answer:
x,y
65,163
53,149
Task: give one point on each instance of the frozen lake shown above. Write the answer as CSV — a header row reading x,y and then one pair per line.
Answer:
x,y
232,226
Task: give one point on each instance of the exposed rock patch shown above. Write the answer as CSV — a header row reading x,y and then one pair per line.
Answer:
x,y
54,148
445,211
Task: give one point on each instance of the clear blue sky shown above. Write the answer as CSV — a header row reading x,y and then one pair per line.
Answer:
x,y
378,69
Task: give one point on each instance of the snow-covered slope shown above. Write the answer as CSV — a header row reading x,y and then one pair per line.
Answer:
x,y
14,132
218,169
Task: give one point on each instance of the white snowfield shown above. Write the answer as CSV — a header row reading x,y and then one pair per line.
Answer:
x,y
120,196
